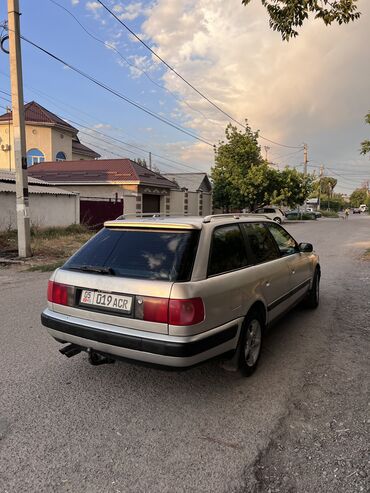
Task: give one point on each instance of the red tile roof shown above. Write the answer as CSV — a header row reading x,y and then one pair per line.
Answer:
x,y
79,148
100,171
35,113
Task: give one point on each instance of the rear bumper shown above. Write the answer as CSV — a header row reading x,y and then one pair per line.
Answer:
x,y
163,350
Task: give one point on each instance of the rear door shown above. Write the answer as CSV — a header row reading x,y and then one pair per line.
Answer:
x,y
270,269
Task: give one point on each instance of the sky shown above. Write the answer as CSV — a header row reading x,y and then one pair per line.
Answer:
x,y
314,89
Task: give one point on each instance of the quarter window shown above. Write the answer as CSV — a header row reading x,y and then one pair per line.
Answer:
x,y
286,244
227,250
260,242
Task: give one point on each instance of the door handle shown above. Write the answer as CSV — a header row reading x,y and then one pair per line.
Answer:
x,y
267,284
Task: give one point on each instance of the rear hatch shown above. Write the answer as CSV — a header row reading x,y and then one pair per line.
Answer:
x,y
123,276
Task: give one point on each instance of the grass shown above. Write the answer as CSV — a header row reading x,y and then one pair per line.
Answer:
x,y
48,267
50,246
366,255
329,213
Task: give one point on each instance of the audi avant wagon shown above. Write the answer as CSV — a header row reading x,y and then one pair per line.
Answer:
x,y
178,291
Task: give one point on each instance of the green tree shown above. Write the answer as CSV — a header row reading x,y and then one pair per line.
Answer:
x,y
358,197
287,15
292,188
365,145
142,162
327,184
237,161
242,179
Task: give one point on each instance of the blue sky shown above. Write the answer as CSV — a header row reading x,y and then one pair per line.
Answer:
x,y
314,89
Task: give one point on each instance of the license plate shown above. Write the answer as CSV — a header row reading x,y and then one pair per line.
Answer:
x,y
106,300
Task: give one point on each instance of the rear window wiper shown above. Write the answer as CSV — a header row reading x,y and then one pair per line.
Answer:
x,y
94,268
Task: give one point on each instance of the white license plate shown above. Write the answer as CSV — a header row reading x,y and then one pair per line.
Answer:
x,y
106,300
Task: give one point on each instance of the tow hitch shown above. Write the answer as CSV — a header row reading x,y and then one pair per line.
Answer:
x,y
98,359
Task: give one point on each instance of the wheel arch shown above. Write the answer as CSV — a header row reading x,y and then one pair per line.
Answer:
x,y
259,307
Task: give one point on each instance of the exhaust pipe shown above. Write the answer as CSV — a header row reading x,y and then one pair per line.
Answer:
x,y
70,350
96,359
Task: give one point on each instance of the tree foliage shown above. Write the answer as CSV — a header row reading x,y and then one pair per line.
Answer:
x,y
288,15
365,145
325,185
358,197
242,179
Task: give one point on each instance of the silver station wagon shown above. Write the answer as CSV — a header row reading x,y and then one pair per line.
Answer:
x,y
179,291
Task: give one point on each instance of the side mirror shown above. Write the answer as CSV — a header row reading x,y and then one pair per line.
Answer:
x,y
305,247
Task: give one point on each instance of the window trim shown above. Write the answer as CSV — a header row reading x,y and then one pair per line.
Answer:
x,y
251,251
209,276
277,246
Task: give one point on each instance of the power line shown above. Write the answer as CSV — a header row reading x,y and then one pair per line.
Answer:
x,y
116,93
183,78
113,48
120,141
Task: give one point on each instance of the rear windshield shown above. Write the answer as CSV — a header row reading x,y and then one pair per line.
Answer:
x,y
142,254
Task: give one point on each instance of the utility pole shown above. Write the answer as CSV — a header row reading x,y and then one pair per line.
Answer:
x,y
320,176
19,132
150,161
305,160
267,148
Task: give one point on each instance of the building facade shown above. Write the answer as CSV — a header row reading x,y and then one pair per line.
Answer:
x,y
48,138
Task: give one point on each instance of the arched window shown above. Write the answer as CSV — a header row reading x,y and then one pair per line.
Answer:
x,y
34,156
60,156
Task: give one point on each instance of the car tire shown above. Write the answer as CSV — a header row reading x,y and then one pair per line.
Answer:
x,y
250,343
277,220
313,297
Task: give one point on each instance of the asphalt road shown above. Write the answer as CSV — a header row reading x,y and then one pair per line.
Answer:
x,y
299,424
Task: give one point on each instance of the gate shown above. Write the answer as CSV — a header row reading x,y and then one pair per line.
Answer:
x,y
95,211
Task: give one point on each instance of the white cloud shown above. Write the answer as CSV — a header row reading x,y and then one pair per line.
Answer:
x,y
93,6
309,89
129,11
75,2
100,126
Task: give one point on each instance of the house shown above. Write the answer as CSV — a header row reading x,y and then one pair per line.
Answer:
x,y
48,138
140,189
193,182
49,205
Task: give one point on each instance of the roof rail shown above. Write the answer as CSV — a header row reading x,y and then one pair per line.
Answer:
x,y
236,215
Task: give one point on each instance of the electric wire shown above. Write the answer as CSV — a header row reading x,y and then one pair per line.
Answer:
x,y
113,48
184,80
116,93
120,141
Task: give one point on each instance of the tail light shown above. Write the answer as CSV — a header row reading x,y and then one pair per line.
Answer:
x,y
62,294
173,312
186,312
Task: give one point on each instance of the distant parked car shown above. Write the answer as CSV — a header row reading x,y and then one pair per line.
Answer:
x,y
273,213
299,214
356,210
363,208
317,213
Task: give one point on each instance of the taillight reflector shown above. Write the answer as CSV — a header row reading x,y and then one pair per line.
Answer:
x,y
58,293
155,310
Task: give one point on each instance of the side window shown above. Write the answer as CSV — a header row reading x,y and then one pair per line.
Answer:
x,y
286,244
227,250
260,242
